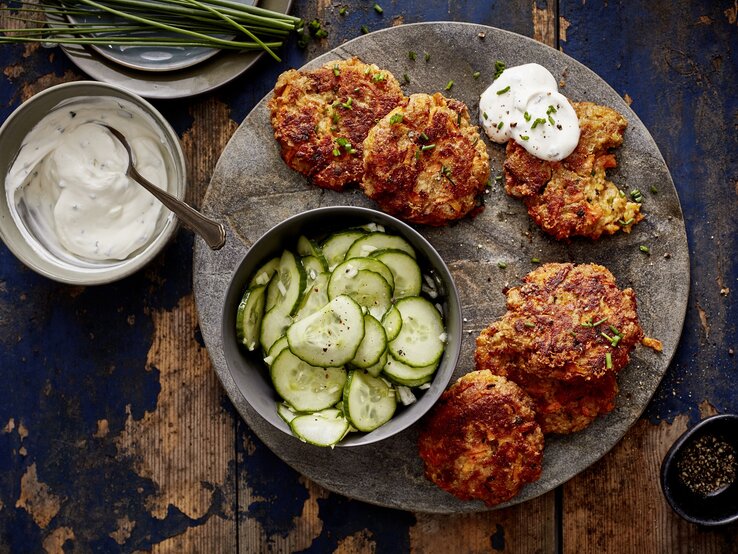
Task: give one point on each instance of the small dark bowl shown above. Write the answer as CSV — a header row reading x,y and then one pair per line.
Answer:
x,y
719,508
248,368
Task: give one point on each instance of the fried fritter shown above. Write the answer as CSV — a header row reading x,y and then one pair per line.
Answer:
x,y
573,197
481,440
567,332
425,163
561,407
321,118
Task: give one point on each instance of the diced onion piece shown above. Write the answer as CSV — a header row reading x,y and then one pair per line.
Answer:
x,y
405,395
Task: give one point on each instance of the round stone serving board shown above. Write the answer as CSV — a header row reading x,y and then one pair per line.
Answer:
x,y
252,190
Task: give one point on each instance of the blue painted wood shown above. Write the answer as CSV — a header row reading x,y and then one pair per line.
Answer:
x,y
69,356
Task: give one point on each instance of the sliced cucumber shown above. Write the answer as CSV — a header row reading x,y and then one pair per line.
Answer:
x,y
373,346
403,374
405,270
249,315
367,288
392,322
331,336
264,273
291,284
315,297
335,247
364,246
352,266
308,247
368,401
279,345
273,326
273,293
421,339
285,412
305,387
324,428
313,266
376,369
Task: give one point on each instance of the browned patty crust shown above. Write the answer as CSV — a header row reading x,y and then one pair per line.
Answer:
x,y
425,163
481,440
573,197
321,118
568,330
561,407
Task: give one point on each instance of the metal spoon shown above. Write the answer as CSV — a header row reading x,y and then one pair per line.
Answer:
x,y
212,232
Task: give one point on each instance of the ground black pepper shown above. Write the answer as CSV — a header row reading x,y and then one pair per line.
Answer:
x,y
708,465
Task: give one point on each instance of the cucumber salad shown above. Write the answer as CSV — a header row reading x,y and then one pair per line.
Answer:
x,y
348,327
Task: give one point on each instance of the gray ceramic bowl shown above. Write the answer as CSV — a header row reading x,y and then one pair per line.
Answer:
x,y
248,369
31,252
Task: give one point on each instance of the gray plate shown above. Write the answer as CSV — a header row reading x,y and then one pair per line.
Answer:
x,y
197,79
148,58
252,190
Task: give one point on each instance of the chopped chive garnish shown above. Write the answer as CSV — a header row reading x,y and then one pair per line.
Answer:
x,y
644,248
537,121
405,77
412,55
484,115
417,154
343,10
615,330
446,172
336,71
423,136
550,110
378,8
427,147
427,56
364,29
498,178
476,74
608,360
321,33
535,260
526,116
504,90
347,104
524,137
499,68
654,190
636,195
551,120
377,77
621,193
529,324
625,223
613,340
449,85
573,334
594,324
336,152
501,265
343,142
396,118
501,124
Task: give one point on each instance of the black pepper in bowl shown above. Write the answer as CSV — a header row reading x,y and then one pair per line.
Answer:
x,y
699,474
708,465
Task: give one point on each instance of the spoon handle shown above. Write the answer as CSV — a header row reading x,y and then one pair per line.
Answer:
x,y
212,232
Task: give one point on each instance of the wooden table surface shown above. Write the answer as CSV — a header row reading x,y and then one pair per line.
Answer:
x,y
115,434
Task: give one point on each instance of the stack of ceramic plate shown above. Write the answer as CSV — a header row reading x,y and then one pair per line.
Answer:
x,y
163,71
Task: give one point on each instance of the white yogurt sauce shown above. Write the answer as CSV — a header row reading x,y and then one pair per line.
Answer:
x,y
524,104
68,185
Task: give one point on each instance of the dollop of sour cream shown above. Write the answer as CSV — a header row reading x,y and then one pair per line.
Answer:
x,y
524,104
68,185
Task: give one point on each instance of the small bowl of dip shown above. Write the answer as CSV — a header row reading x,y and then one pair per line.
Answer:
x,y
67,209
699,474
